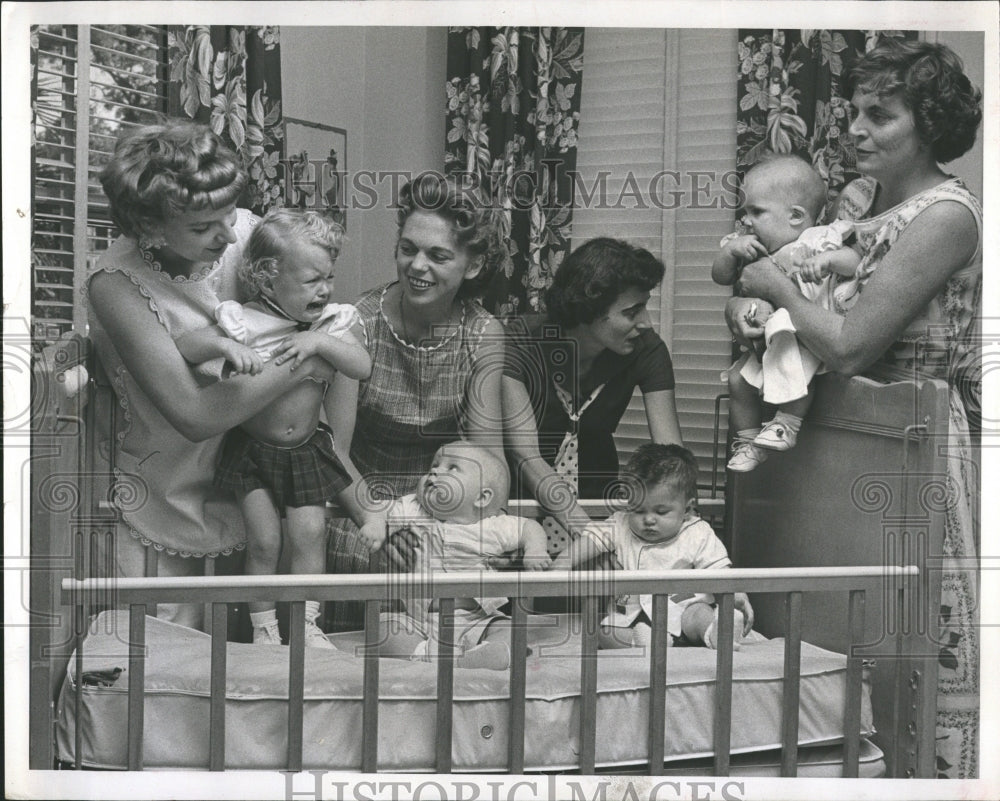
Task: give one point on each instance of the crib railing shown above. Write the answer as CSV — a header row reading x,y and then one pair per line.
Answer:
x,y
140,596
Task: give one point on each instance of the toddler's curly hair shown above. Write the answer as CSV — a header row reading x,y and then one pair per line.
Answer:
x,y
269,242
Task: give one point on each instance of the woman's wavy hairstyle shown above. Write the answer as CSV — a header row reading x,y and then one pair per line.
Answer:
x,y
464,207
594,275
161,170
269,242
946,107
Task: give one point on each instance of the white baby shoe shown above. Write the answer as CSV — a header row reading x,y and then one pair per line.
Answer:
x,y
776,436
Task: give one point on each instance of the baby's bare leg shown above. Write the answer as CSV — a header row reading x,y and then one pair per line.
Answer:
x,y
610,637
800,406
695,620
263,539
700,624
398,637
492,651
745,411
306,538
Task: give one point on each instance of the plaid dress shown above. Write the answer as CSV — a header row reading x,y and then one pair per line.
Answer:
x,y
413,403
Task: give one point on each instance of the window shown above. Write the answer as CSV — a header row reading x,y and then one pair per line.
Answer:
x,y
657,100
121,73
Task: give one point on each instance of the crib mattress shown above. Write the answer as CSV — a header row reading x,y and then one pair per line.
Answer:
x,y
176,730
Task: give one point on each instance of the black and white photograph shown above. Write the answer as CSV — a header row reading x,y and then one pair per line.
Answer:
x,y
498,401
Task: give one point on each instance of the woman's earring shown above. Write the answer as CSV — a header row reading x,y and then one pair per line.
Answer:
x,y
151,242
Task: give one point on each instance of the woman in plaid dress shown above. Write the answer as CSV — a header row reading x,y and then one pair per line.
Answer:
x,y
437,359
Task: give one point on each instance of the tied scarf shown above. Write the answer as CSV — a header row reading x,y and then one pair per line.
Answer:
x,y
567,464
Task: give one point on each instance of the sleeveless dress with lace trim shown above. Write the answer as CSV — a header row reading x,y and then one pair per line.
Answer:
x,y
413,403
163,481
943,342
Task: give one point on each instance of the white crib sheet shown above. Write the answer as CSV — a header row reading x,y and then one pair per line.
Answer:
x,y
177,702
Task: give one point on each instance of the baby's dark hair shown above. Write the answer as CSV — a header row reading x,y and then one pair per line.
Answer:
x,y
653,464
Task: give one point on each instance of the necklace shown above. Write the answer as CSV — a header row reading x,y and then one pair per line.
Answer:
x,y
402,317
406,331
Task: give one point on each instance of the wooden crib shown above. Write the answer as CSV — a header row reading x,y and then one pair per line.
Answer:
x,y
849,569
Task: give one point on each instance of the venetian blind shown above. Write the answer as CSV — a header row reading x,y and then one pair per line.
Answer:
x,y
656,100
121,72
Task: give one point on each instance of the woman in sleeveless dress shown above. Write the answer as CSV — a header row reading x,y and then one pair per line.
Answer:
x,y
172,190
912,311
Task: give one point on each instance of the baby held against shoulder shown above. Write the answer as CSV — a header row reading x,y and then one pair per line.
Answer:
x,y
283,459
784,198
660,531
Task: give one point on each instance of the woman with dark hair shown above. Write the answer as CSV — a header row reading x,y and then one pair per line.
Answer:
x,y
437,359
571,373
913,308
172,190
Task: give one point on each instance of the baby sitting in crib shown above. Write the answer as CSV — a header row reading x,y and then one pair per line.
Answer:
x,y
784,196
457,516
660,531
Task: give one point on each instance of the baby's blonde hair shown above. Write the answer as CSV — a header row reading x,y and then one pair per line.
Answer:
x,y
795,178
269,242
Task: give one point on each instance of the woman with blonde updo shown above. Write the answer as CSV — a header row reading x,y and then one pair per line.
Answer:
x,y
172,190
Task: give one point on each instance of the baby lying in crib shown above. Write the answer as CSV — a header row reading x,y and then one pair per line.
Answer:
x,y
661,531
457,516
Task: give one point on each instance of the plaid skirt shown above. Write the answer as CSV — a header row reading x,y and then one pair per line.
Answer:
x,y
308,474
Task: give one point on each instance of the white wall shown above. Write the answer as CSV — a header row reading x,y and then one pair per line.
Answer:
x,y
970,47
386,87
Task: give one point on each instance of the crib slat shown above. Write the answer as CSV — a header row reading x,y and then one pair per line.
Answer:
x,y
445,683
369,711
852,711
136,683
296,681
217,703
152,564
790,698
658,684
723,685
79,629
588,685
897,754
518,685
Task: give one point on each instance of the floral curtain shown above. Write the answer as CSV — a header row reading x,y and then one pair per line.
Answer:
x,y
230,78
792,97
513,106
